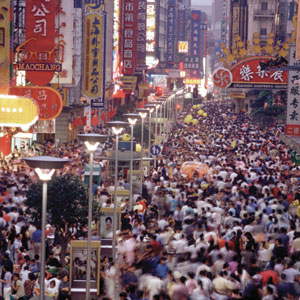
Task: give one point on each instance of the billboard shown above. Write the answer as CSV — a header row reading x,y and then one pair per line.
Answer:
x,y
248,74
93,58
128,36
171,27
293,98
39,47
49,101
5,47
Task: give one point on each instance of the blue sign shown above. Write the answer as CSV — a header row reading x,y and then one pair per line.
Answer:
x,y
181,24
171,29
155,150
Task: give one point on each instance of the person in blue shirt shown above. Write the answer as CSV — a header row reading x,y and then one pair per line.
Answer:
x,y
162,269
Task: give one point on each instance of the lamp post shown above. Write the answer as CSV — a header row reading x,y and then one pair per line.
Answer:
x,y
91,141
45,167
150,109
117,128
132,119
143,114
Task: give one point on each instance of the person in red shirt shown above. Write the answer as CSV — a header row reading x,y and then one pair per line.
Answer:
x,y
156,246
266,275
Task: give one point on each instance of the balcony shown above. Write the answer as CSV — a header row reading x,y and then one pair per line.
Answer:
x,y
260,13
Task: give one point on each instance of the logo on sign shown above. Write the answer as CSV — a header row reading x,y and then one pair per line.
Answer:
x,y
155,150
95,5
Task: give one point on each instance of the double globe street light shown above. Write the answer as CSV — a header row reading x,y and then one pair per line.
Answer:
x,y
132,119
91,141
117,128
45,167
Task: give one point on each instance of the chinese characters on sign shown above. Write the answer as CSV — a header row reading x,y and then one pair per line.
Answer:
x,y
94,5
49,101
151,26
181,23
5,47
171,19
128,54
191,62
248,74
141,34
93,58
40,37
195,37
293,98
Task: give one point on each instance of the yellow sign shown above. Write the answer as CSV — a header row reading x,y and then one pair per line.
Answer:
x,y
5,47
183,47
93,57
240,95
17,111
192,81
128,82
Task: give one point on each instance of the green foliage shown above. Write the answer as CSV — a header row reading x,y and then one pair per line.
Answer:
x,y
262,97
67,201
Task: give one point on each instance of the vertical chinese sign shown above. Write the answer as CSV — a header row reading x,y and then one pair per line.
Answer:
x,y
141,34
93,58
195,37
64,21
128,36
40,40
171,19
5,47
293,98
181,23
150,33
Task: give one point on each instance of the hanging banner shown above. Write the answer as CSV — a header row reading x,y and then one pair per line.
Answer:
x,y
39,47
5,47
49,101
171,19
64,19
93,58
181,23
141,34
293,98
195,37
128,36
298,35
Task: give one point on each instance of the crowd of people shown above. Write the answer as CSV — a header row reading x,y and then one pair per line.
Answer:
x,y
231,232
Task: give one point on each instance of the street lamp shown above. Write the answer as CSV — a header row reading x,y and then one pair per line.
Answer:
x,y
132,119
45,167
143,114
117,128
91,141
150,108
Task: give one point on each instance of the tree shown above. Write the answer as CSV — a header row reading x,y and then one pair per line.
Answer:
x,y
67,204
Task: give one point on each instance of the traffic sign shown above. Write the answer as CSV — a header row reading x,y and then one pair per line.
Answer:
x,y
155,150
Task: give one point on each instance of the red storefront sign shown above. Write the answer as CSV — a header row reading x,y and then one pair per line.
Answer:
x,y
40,39
248,74
129,14
49,100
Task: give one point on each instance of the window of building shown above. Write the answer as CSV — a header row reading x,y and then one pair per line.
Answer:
x,y
264,5
263,31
